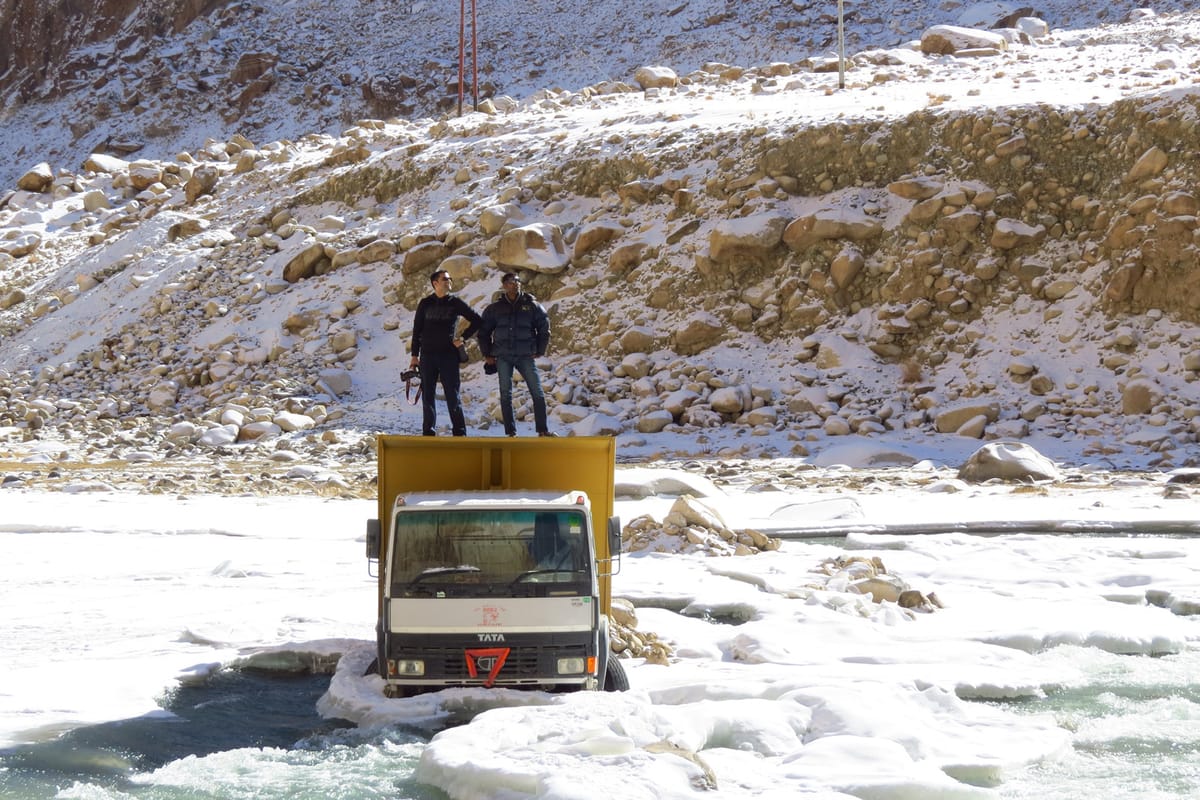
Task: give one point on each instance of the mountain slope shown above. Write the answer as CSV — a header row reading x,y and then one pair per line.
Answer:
x,y
744,260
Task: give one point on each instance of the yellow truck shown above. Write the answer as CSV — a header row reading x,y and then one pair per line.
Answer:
x,y
495,559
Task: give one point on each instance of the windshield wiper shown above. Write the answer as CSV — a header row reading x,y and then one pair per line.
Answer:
x,y
438,572
530,576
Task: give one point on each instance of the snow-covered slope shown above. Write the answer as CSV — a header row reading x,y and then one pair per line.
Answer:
x,y
283,69
740,256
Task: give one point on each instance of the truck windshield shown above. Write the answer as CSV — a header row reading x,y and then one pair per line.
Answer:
x,y
494,547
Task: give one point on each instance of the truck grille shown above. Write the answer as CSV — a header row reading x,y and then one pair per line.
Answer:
x,y
450,663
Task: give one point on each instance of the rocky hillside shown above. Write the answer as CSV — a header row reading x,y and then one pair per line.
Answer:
x,y
732,266
159,76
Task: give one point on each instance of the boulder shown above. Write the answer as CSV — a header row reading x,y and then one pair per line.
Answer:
x,y
422,259
831,223
951,39
1008,461
143,174
1012,233
698,334
538,247
655,77
304,264
202,181
737,240
950,420
595,235
99,162
39,179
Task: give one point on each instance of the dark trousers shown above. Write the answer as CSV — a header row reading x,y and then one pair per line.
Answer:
x,y
441,367
528,369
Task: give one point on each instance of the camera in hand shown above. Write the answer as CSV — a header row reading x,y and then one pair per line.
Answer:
x,y
409,375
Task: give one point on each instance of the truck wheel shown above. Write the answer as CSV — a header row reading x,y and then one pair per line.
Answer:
x,y
615,679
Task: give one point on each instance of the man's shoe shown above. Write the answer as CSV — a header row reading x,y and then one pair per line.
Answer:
x,y
428,433
547,433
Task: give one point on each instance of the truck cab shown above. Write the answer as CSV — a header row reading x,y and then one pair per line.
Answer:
x,y
502,580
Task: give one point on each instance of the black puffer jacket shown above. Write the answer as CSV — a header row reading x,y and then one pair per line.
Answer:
x,y
514,328
434,324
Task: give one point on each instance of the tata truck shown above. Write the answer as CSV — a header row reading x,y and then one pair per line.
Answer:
x,y
495,558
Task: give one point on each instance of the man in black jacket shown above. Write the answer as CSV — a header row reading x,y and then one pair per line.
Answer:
x,y
435,343
515,330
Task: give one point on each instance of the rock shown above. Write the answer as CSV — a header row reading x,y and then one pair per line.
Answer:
x,y
218,436
831,223
598,425
881,587
39,179
623,612
640,339
94,200
1012,233
143,174
304,263
1149,164
595,235
422,259
336,382
635,365
20,245
255,431
626,258
378,250
656,77
186,228
202,181
1008,461
846,266
951,39
734,242
291,422
919,188
728,400
702,331
14,297
654,421
951,419
99,162
538,247
493,218
1139,397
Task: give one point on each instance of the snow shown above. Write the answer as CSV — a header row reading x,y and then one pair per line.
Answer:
x,y
783,678
1069,68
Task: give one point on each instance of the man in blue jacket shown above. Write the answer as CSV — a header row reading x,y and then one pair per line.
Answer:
x,y
515,330
435,343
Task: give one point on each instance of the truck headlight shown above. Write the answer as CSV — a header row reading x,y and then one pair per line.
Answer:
x,y
406,668
570,666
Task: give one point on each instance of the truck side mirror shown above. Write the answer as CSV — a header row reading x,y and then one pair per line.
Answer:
x,y
614,537
372,540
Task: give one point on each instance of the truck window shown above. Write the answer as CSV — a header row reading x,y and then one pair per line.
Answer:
x,y
496,546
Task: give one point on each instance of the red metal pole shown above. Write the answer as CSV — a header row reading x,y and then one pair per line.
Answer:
x,y
474,59
462,22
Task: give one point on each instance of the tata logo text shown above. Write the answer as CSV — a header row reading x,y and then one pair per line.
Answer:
x,y
490,637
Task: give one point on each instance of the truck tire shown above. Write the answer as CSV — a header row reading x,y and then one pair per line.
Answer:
x,y
615,679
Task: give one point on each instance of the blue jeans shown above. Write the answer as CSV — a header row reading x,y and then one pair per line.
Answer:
x,y
443,368
504,371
